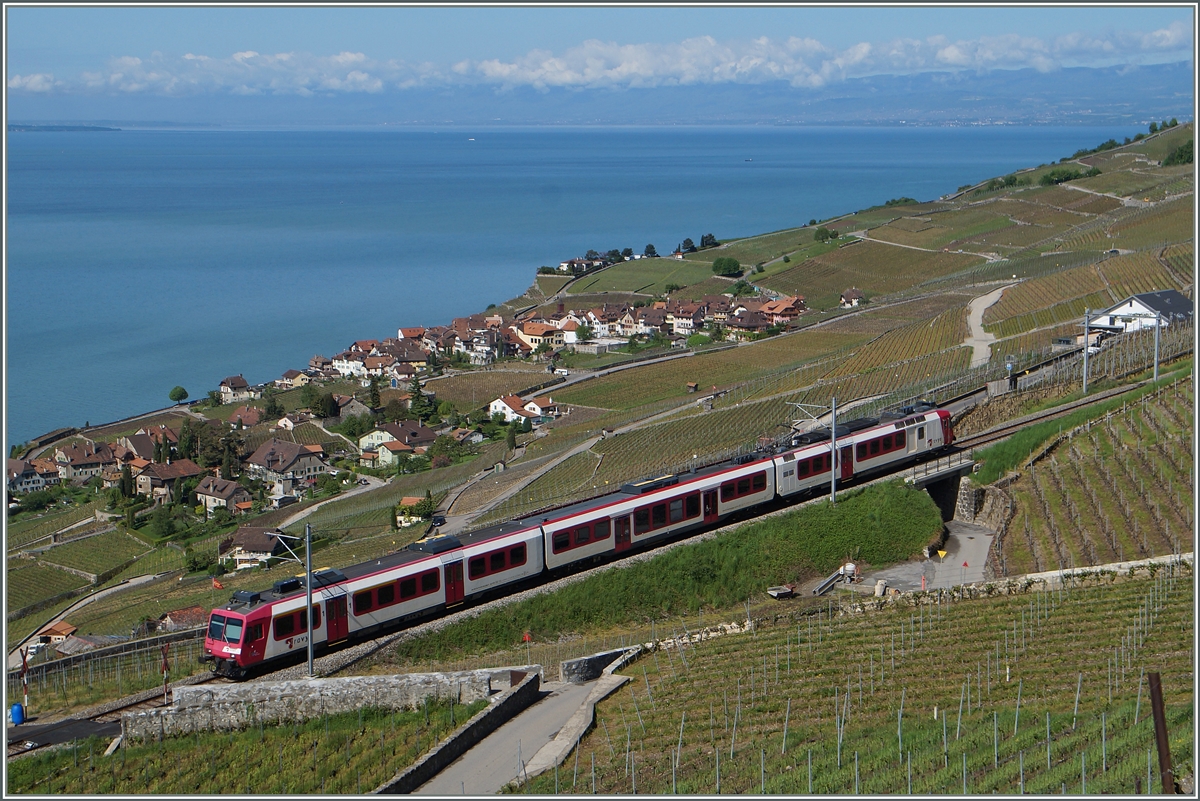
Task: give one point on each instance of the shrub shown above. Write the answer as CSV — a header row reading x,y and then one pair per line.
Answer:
x,y
727,266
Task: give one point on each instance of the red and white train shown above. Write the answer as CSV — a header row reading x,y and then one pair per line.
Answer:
x,y
257,628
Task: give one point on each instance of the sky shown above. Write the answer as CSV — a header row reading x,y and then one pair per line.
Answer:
x,y
171,52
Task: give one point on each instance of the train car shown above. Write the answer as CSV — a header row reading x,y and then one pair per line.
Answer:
x,y
431,575
654,509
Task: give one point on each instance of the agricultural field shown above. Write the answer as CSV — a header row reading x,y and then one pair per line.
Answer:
x,y
349,754
1181,259
917,339
1125,183
22,532
1042,293
764,248
1171,221
1116,488
648,276
797,693
30,582
477,388
873,267
96,554
638,386
1034,212
1136,273
1159,147
549,285
111,433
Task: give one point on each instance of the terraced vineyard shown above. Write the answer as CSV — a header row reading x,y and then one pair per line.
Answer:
x,y
917,339
97,554
478,388
1119,488
1136,273
1171,221
30,582
348,754
26,531
794,708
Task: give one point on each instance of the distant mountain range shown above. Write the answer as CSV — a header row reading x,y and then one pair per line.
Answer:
x,y
1111,95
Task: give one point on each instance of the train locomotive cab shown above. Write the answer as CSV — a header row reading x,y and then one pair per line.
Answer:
x,y
223,643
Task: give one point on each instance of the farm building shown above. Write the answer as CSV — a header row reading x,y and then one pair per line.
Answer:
x,y
1137,312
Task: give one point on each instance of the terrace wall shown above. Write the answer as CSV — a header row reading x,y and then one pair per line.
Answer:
x,y
238,706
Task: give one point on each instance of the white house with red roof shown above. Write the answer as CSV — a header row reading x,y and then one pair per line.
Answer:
x,y
512,407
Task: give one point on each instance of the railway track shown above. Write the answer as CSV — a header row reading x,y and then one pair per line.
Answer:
x,y
1005,430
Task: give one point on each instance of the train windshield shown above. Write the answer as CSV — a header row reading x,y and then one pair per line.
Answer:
x,y
227,629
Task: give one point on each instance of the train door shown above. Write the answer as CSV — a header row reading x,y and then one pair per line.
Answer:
x,y
622,534
454,582
710,506
847,460
337,625
914,444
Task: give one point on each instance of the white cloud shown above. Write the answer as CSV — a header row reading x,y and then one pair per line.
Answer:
x,y
801,61
37,82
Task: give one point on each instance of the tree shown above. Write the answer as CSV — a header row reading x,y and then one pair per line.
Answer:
x,y
425,507
395,411
510,438
1153,127
822,234
162,525
178,395
650,252
708,241
272,408
126,482
447,410
727,266
627,253
543,348
373,391
326,406
309,394
528,426
688,246
583,333
591,255
418,404
613,255
814,222
214,397
741,288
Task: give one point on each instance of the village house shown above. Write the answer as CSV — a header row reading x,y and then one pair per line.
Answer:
x,y
745,324
279,460
467,436
251,546
350,363
248,416
23,477
235,388
416,333
399,375
292,379
319,363
405,514
366,346
368,459
408,432
542,407
534,334
511,408
181,619
139,445
289,421
349,405
47,469
215,492
55,633
387,452
851,298
1138,312
783,310
157,482
83,459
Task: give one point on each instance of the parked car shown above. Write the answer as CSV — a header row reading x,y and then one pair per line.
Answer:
x,y
439,520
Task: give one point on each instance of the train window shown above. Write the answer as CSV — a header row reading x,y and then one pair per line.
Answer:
x,y
658,515
818,464
561,541
582,535
676,509
408,588
692,504
516,555
743,486
758,482
641,520
316,616
887,442
861,451
496,561
602,529
899,439
921,432
285,625
363,602
802,468
788,473
874,447
429,582
233,630
386,594
728,490
216,627
476,567
254,633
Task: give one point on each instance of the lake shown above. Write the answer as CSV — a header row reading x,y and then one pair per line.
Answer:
x,y
141,260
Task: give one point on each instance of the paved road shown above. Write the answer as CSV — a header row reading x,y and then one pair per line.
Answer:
x,y
967,542
487,767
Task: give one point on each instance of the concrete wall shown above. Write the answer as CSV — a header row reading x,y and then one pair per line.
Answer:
x,y
472,732
588,668
238,706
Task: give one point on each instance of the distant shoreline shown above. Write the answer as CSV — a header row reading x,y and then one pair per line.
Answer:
x,y
17,128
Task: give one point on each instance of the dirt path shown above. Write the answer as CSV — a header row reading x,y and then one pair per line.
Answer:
x,y
978,339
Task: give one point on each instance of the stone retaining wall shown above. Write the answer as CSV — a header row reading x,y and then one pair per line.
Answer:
x,y
588,668
238,706
506,707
